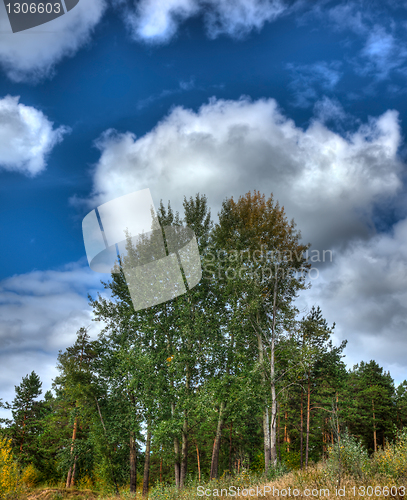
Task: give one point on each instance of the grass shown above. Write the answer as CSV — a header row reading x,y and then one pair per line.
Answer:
x,y
348,473
315,482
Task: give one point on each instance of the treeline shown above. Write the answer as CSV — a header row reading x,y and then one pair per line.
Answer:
x,y
224,377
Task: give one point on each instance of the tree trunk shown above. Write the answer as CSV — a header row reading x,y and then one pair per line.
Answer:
x,y
266,432
133,464
273,427
146,474
302,428
177,465
278,435
184,446
266,422
69,481
374,429
199,463
308,419
184,453
337,417
216,445
109,453
230,448
74,471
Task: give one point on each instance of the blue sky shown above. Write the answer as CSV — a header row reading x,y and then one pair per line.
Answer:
x,y
303,99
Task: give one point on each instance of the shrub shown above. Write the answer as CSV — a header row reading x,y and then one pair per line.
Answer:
x,y
85,483
9,474
30,476
392,460
279,470
348,457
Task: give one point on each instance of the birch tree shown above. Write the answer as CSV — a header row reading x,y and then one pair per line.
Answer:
x,y
265,267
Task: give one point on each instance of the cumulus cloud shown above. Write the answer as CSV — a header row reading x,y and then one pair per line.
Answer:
x,y
329,183
364,292
26,137
40,313
156,21
32,55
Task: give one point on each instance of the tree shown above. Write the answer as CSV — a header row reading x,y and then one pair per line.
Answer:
x,y
401,404
170,337
269,267
25,411
321,361
370,393
75,382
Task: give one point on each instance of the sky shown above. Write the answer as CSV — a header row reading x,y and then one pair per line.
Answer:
x,y
302,99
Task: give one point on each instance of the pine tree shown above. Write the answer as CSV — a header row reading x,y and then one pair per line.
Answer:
x,y
26,417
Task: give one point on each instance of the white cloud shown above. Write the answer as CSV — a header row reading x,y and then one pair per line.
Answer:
x,y
26,137
383,48
382,53
156,21
32,55
364,291
350,16
238,17
40,313
329,109
327,182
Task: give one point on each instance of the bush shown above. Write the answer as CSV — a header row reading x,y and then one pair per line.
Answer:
x,y
279,470
85,483
348,457
392,460
30,476
9,474
243,479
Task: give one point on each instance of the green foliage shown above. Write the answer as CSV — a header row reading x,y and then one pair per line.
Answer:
x,y
244,479
391,461
209,368
348,456
277,471
9,472
291,459
30,476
